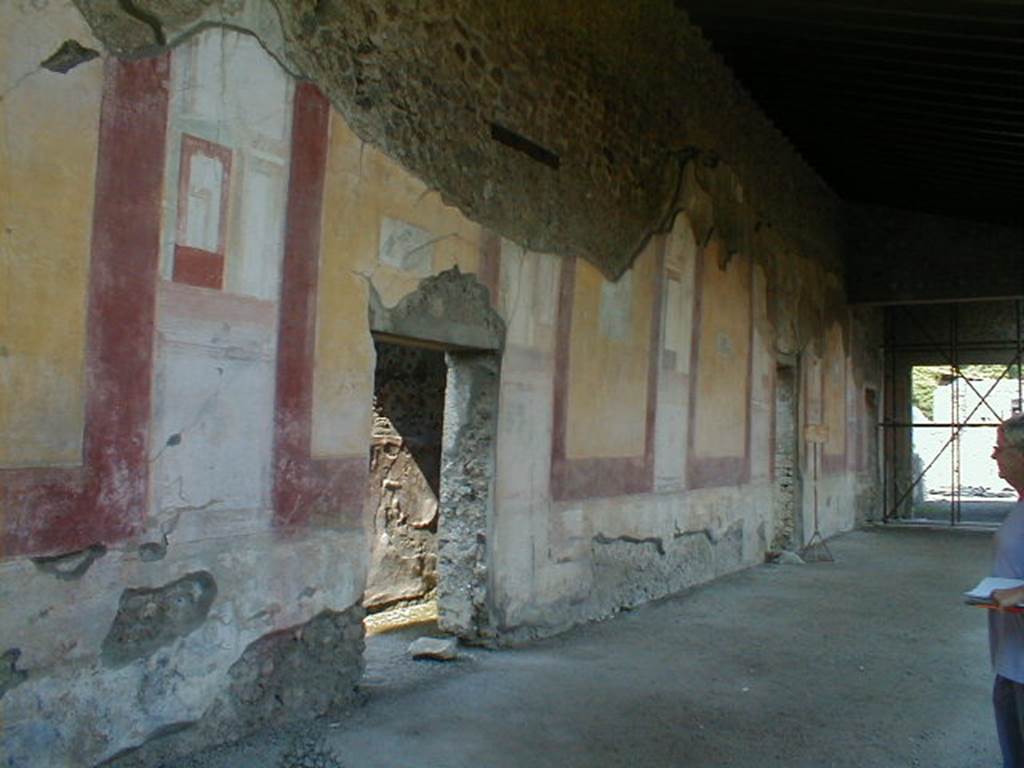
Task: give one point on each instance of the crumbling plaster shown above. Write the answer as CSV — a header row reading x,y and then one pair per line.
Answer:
x,y
523,564
122,676
620,98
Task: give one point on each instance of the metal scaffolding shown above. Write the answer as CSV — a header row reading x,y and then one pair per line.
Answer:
x,y
899,477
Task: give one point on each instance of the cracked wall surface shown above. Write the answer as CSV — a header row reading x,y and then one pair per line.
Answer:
x,y
246,242
465,605
148,619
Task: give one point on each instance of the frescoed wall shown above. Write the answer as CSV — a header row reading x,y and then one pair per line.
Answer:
x,y
49,128
720,405
158,567
609,361
225,192
834,397
606,378
673,422
385,232
187,361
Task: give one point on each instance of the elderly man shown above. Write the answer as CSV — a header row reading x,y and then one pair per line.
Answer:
x,y
1005,629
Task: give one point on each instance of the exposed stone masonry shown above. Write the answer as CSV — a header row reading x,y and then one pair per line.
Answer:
x,y
563,127
405,469
467,476
148,619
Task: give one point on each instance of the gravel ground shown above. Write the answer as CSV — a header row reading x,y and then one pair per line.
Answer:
x,y
869,662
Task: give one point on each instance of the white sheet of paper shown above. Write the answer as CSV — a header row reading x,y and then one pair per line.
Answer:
x,y
986,585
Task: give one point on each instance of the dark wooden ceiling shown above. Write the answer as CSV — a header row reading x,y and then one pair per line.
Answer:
x,y
914,104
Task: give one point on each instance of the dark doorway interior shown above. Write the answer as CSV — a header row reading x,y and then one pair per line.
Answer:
x,y
405,475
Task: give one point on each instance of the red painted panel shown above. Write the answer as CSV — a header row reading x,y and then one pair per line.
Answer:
x,y
40,510
48,510
190,147
306,490
194,266
599,478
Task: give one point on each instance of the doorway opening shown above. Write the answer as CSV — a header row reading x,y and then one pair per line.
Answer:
x,y
404,485
952,373
955,412
789,526
430,487
431,492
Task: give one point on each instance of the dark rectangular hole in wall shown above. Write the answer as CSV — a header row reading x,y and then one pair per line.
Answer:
x,y
531,149
405,474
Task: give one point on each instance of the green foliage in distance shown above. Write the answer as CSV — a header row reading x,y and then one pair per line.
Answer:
x,y
925,379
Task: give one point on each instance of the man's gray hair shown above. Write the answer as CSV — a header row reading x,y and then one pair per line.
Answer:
x,y
1013,429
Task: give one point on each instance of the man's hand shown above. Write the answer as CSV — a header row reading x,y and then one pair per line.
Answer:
x,y
1007,598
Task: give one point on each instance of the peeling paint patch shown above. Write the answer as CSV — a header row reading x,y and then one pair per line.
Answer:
x,y
10,675
659,545
705,532
148,619
70,54
71,566
151,551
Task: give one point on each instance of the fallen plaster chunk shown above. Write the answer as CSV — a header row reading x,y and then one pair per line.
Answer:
x,y
789,558
436,648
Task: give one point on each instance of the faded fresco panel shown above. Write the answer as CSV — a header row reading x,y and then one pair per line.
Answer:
x,y
834,390
226,182
223,243
680,260
383,228
406,247
814,408
723,355
672,423
49,134
608,376
214,400
616,308
762,383
528,295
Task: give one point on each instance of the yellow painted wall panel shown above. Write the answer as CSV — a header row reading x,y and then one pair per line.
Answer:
x,y
723,357
364,191
835,390
49,129
609,361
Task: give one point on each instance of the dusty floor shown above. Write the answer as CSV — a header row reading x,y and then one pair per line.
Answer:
x,y
871,661
985,511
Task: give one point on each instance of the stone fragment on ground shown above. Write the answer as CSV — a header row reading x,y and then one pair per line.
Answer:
x,y
785,557
436,648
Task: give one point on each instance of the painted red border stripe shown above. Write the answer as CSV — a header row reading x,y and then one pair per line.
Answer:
x,y
330,490
604,477
48,510
194,266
